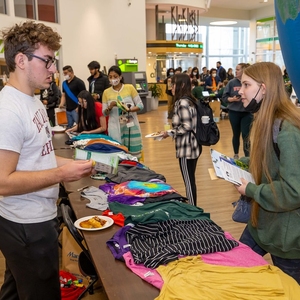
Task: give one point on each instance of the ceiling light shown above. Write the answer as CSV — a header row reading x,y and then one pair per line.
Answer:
x,y
223,23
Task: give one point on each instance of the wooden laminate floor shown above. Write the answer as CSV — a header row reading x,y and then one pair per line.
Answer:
x,y
214,196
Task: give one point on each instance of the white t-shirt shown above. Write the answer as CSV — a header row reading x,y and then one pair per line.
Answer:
x,y
24,128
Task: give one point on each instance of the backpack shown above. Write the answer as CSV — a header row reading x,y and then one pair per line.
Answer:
x,y
206,134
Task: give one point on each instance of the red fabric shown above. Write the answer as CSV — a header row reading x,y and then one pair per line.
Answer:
x,y
99,113
119,219
72,292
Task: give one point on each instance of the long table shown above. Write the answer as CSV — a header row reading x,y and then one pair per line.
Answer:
x,y
118,281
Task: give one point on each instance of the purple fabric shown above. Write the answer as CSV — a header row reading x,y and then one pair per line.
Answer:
x,y
118,244
124,199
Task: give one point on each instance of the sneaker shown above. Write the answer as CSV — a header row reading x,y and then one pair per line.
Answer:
x,y
236,156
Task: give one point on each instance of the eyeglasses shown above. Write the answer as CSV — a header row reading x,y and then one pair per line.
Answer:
x,y
49,62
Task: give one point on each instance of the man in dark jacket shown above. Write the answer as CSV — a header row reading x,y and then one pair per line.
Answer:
x,y
50,98
98,81
221,72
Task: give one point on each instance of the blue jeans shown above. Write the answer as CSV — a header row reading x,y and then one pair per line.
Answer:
x,y
288,266
72,117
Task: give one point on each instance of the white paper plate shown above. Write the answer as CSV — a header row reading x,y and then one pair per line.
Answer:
x,y
58,128
109,222
153,136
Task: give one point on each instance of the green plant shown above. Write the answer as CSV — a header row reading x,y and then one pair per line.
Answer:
x,y
155,89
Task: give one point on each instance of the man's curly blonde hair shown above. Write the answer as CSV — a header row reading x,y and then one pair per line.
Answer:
x,y
26,38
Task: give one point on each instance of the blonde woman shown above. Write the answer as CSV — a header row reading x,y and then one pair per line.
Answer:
x,y
275,217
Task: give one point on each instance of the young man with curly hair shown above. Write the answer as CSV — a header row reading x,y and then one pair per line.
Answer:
x,y
30,171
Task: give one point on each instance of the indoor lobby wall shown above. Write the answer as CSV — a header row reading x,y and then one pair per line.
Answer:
x,y
95,30
102,30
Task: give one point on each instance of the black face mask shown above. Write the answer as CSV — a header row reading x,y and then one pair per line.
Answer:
x,y
253,106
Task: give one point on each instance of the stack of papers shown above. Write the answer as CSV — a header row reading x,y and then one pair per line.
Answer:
x,y
226,168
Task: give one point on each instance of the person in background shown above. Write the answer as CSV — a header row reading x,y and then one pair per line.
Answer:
x,y
230,74
239,118
274,223
185,120
72,86
189,71
203,76
221,72
168,84
197,89
98,82
287,83
90,115
50,98
213,82
195,74
30,171
121,102
178,70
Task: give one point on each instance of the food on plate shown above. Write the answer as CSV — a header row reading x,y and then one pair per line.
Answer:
x,y
94,222
157,133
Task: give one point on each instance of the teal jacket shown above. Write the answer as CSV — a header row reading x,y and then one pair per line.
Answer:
x,y
278,230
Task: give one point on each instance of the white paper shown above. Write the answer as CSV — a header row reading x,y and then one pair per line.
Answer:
x,y
225,168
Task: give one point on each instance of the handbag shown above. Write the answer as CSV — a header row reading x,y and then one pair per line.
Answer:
x,y
242,211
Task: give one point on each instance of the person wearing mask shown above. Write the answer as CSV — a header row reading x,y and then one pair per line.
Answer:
x,y
72,86
213,82
98,82
168,84
229,74
203,76
90,115
239,118
195,74
184,120
121,102
274,223
50,98
30,170
221,72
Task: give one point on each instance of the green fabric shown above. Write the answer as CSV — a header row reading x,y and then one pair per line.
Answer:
x,y
157,212
279,217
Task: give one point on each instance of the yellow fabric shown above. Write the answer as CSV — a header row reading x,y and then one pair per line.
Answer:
x,y
191,278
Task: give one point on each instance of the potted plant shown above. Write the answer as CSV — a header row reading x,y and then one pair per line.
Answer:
x,y
155,90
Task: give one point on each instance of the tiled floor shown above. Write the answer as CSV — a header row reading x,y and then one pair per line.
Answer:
x,y
213,196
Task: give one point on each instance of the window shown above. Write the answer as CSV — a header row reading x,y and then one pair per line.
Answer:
x,y
43,10
24,9
267,42
3,7
47,10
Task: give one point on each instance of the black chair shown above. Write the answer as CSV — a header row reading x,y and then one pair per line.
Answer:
x,y
85,263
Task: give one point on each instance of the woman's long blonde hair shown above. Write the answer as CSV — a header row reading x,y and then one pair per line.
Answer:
x,y
275,104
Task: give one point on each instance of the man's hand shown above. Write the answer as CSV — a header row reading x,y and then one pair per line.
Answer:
x,y
76,169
